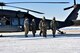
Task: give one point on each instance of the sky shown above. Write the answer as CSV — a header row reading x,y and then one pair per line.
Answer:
x,y
50,10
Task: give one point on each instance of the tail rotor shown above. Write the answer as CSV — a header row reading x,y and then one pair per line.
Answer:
x,y
71,6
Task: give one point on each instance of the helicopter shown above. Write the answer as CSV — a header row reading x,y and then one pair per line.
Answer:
x,y
16,24
15,19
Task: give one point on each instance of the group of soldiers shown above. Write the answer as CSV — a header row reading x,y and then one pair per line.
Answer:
x,y
42,27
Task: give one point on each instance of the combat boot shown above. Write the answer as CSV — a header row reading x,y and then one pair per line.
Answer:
x,y
33,34
44,36
53,34
26,36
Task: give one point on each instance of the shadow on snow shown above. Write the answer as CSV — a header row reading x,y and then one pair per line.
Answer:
x,y
37,37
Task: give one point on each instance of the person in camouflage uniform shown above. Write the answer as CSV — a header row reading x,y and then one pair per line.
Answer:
x,y
43,27
53,26
33,27
26,26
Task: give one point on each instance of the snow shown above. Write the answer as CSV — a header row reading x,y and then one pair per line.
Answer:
x,y
17,43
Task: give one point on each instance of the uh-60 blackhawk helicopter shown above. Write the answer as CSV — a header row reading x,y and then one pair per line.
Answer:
x,y
12,20
15,19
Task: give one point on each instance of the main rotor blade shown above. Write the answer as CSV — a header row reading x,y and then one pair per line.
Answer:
x,y
36,2
68,8
25,9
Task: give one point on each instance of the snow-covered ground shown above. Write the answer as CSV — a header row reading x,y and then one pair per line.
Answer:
x,y
17,43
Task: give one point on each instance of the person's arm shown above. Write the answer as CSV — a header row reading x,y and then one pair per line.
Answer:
x,y
51,24
40,24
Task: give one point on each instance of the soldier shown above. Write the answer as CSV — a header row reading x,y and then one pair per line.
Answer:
x,y
26,26
43,27
53,26
33,27
4,19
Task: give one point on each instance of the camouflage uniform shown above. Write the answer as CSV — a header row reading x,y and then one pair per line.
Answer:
x,y
53,25
43,27
33,27
26,26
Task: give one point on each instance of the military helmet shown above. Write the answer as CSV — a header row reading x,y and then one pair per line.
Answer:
x,y
53,18
26,19
43,18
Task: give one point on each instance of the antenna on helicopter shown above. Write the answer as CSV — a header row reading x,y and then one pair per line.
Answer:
x,y
71,6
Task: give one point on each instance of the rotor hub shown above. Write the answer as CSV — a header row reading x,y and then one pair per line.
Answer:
x,y
2,4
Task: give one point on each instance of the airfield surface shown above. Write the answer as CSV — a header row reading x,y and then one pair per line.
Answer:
x,y
17,43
